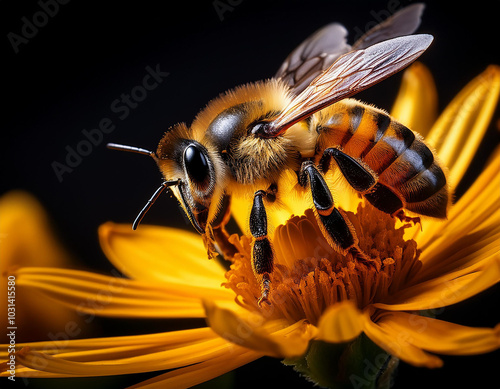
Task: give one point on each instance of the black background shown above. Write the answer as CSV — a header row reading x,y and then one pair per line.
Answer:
x,y
66,77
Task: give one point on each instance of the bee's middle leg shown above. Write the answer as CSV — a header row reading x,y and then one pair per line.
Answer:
x,y
339,233
262,251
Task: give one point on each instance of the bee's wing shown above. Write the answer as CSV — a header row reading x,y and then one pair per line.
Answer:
x,y
319,51
403,22
351,73
313,56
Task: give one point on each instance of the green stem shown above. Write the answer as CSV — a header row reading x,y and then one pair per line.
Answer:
x,y
359,364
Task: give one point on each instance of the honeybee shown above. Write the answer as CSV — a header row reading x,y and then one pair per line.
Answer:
x,y
303,121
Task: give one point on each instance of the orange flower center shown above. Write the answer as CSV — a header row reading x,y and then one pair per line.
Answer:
x,y
309,275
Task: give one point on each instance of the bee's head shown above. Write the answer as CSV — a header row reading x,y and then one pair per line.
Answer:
x,y
188,169
197,163
197,167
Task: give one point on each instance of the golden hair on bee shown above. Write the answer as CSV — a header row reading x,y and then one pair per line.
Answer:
x,y
273,92
251,158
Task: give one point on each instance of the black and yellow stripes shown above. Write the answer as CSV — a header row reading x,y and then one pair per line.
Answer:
x,y
406,173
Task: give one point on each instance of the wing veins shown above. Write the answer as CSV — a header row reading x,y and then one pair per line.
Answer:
x,y
349,74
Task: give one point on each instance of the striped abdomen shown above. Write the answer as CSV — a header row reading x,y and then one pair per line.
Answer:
x,y
407,174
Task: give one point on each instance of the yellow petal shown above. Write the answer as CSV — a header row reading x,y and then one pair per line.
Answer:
x,y
416,103
464,251
447,289
26,234
116,347
476,210
440,336
250,330
160,255
161,358
116,351
26,239
398,344
340,322
459,130
92,294
189,376
120,355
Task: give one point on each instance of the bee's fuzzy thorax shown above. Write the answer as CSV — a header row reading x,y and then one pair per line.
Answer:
x,y
250,158
272,93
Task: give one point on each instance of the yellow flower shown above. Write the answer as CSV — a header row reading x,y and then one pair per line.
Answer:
x,y
321,302
25,240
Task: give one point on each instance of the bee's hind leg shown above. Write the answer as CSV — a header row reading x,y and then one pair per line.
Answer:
x,y
360,177
338,231
365,182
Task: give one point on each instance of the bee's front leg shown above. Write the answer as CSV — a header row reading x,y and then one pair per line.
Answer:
x,y
262,251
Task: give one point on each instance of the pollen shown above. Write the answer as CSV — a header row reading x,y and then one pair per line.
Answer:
x,y
309,275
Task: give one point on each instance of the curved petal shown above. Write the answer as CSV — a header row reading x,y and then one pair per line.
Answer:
x,y
160,359
25,234
160,255
250,330
189,376
398,344
92,294
416,103
119,355
471,211
448,289
474,217
340,322
439,336
479,244
116,347
459,130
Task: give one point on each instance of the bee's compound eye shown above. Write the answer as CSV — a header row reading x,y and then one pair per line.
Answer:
x,y
197,166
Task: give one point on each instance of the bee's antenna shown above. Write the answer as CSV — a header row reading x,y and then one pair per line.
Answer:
x,y
156,194
132,149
